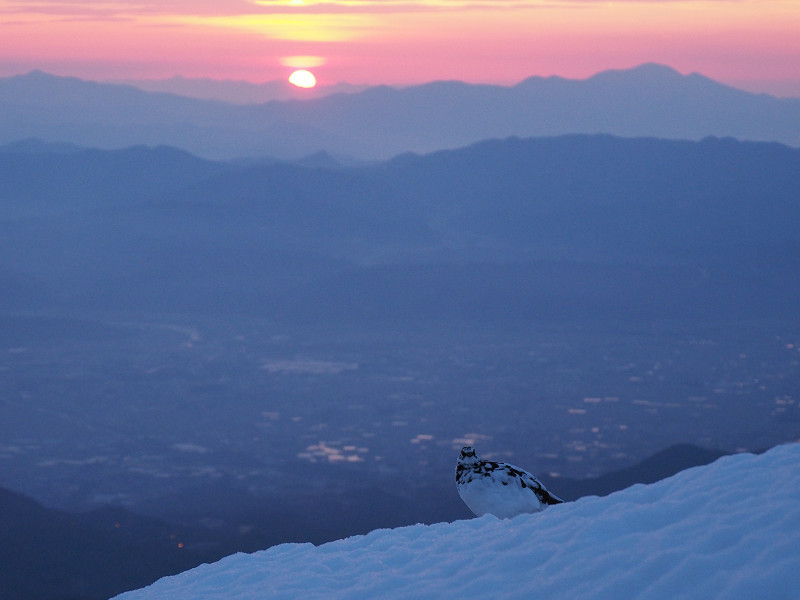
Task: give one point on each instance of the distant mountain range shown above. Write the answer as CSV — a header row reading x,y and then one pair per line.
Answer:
x,y
380,122
237,92
56,555
563,227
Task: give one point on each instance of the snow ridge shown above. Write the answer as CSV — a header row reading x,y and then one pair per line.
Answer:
x,y
727,530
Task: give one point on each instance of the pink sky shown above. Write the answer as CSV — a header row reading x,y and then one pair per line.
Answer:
x,y
752,44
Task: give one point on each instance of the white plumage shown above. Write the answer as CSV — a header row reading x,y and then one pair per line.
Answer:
x,y
496,488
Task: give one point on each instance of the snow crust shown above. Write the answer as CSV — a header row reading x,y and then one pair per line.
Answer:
x,y
727,530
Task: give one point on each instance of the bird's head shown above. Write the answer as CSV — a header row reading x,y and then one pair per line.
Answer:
x,y
468,456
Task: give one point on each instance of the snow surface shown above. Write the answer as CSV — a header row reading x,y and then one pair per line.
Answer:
x,y
727,530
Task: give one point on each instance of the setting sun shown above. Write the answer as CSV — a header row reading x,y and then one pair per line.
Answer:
x,y
303,79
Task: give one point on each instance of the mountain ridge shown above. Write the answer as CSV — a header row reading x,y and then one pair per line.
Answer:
x,y
382,121
546,223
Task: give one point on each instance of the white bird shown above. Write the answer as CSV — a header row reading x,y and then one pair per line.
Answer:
x,y
496,488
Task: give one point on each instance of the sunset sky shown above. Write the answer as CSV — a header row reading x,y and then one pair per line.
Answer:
x,y
752,44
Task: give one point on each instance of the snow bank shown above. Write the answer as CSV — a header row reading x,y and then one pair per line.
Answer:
x,y
727,530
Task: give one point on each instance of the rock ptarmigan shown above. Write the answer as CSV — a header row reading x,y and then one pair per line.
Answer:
x,y
499,489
